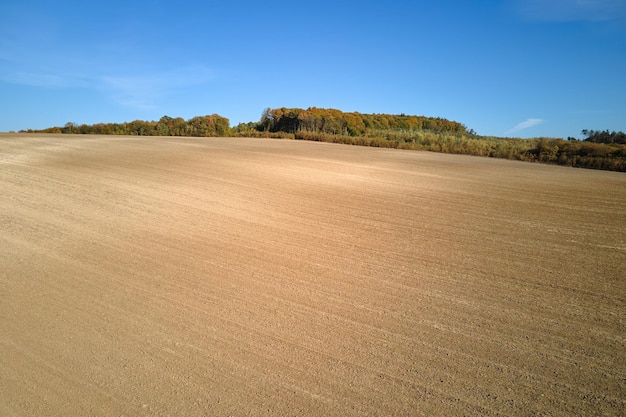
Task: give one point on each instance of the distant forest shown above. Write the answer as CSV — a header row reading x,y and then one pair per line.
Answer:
x,y
213,125
604,136
599,150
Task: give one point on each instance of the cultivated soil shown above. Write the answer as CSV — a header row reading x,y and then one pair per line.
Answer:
x,y
249,277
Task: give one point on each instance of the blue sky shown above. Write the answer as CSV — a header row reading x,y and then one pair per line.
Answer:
x,y
523,68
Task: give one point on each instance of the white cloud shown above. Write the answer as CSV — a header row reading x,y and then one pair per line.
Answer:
x,y
143,91
146,90
528,123
137,92
572,10
46,79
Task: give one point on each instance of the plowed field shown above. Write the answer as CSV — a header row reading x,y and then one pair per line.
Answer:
x,y
248,277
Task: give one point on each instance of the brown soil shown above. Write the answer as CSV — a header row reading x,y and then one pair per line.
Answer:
x,y
200,277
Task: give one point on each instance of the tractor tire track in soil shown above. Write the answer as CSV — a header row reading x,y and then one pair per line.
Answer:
x,y
229,276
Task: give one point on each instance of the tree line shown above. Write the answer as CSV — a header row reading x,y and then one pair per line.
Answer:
x,y
337,122
213,125
604,136
599,150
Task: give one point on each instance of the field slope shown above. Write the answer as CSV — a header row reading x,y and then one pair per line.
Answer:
x,y
185,276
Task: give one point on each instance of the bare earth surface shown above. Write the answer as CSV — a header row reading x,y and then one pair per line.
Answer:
x,y
201,277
